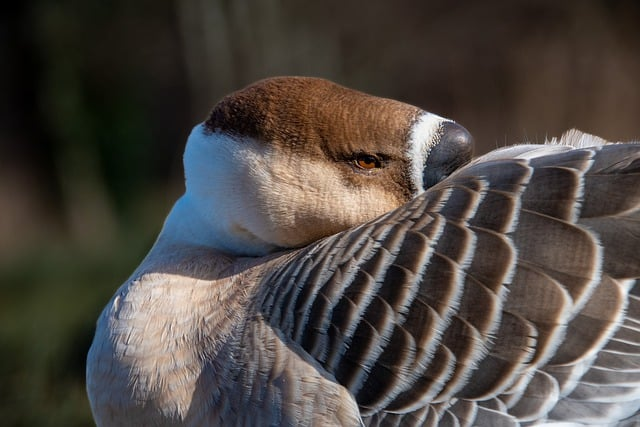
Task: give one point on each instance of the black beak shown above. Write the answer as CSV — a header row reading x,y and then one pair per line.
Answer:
x,y
454,150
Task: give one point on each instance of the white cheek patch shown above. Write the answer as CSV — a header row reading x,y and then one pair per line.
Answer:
x,y
207,159
250,198
219,194
424,135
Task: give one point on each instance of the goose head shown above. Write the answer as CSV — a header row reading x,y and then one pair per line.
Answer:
x,y
288,160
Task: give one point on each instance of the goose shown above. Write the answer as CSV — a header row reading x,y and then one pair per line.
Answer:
x,y
339,259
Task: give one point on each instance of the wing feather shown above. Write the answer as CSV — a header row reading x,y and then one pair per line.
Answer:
x,y
502,293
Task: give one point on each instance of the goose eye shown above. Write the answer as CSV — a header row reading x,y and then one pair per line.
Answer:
x,y
367,161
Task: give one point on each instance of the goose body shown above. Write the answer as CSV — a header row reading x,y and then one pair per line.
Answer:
x,y
327,266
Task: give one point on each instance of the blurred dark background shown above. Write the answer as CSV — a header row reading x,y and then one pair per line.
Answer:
x,y
97,99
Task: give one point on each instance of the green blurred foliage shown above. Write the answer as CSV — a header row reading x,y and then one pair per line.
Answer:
x,y
97,98
50,299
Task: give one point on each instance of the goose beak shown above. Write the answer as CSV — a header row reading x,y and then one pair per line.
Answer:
x,y
453,151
